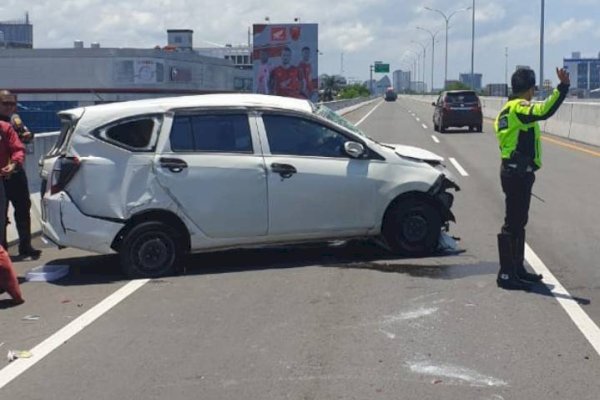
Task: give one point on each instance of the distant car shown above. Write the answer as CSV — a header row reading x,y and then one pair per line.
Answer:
x,y
457,108
390,95
153,180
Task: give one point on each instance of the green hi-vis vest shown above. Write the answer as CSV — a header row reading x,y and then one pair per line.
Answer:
x,y
517,125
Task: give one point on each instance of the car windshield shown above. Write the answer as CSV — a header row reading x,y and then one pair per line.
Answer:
x,y
329,114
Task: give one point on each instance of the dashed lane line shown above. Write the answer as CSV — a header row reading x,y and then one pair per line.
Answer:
x,y
424,126
435,139
458,167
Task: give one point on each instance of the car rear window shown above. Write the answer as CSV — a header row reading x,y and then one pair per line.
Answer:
x,y
223,133
461,98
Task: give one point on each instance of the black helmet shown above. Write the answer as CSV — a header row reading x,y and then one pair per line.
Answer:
x,y
522,80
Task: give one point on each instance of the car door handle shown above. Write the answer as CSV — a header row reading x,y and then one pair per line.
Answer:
x,y
173,164
285,170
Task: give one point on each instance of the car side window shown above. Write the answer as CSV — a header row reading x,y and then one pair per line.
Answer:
x,y
133,134
220,133
289,135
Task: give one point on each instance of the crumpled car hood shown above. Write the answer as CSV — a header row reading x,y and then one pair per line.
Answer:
x,y
416,153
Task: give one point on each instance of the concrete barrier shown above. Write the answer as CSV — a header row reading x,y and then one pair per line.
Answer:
x,y
585,123
560,123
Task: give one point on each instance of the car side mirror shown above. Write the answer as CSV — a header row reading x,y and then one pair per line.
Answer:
x,y
433,104
354,149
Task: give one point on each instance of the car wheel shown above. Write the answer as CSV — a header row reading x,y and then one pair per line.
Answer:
x,y
442,127
479,128
435,127
149,250
412,227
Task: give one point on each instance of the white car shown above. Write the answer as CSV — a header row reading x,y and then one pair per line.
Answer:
x,y
156,179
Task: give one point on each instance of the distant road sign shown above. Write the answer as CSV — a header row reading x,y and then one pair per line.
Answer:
x,y
380,67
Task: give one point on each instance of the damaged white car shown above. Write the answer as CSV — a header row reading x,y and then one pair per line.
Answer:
x,y
154,180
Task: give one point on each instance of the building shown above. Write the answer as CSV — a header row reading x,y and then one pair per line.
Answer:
x,y
496,89
49,80
16,34
474,83
585,73
401,80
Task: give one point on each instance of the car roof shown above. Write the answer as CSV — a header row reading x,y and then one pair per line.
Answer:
x,y
99,114
460,92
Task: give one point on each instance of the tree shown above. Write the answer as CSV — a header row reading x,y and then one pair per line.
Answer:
x,y
329,87
352,91
458,86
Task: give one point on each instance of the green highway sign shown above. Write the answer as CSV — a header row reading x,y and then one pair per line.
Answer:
x,y
380,67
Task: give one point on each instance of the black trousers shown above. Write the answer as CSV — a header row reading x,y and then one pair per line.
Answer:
x,y
17,192
517,191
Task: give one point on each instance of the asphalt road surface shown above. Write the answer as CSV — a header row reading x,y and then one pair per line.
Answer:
x,y
337,320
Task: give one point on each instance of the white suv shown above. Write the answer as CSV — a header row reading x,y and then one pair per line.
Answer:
x,y
156,179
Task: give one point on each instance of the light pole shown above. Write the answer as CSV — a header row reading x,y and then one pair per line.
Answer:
x,y
447,19
424,56
473,47
542,51
433,35
418,58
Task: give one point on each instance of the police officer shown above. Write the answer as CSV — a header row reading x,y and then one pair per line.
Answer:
x,y
16,186
518,134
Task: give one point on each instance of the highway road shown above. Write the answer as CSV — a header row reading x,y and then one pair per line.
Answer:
x,y
343,320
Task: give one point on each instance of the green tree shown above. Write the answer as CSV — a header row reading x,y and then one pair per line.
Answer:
x,y
458,86
352,91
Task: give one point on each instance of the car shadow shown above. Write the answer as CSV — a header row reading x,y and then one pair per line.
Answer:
x,y
102,269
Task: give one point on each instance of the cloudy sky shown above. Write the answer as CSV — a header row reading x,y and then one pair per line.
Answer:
x,y
355,31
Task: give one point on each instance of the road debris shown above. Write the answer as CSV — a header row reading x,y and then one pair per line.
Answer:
x,y
14,354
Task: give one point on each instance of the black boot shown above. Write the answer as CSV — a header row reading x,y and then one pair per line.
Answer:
x,y
507,276
519,249
24,231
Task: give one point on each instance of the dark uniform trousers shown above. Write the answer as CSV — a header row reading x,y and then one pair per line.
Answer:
x,y
516,186
17,192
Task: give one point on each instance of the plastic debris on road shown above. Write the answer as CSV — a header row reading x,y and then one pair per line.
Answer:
x,y
14,354
47,273
447,244
31,318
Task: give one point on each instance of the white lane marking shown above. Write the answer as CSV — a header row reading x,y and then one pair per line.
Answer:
x,y
458,167
408,315
418,119
17,367
424,126
369,113
585,324
435,139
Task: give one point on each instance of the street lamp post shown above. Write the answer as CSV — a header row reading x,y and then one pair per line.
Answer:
x,y
542,50
447,19
433,35
473,47
424,56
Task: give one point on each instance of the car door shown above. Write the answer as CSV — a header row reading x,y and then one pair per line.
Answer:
x,y
314,188
437,110
210,169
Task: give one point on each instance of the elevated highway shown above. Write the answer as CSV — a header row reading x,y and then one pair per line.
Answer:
x,y
342,321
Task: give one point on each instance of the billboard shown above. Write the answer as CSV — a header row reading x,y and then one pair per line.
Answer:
x,y
285,60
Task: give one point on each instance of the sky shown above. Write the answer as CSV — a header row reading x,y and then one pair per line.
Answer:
x,y
352,33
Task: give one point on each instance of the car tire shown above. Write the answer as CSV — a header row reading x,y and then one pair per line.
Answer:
x,y
442,127
479,128
411,227
435,127
150,249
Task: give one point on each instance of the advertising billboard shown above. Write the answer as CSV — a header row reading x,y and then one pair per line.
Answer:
x,y
285,60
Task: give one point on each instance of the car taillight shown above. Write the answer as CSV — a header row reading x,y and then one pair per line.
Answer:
x,y
446,106
63,171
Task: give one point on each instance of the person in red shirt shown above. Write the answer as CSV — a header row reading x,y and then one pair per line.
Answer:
x,y
12,154
285,79
305,67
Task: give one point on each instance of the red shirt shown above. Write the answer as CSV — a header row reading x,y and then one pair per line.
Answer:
x,y
11,148
286,81
306,71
